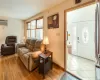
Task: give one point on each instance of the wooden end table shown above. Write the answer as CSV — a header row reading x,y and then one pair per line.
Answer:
x,y
45,62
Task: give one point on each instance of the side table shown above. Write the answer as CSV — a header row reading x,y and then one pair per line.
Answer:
x,y
45,62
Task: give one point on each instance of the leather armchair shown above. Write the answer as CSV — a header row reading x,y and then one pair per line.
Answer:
x,y
9,46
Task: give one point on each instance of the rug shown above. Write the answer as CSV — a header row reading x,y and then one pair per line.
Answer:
x,y
68,76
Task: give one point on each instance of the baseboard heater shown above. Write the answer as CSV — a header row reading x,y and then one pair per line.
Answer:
x,y
4,22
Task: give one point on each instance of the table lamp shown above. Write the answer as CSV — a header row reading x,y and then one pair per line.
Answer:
x,y
45,42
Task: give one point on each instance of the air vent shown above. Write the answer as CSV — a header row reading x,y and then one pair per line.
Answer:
x,y
4,22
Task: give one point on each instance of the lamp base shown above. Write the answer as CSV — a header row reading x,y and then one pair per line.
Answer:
x,y
45,52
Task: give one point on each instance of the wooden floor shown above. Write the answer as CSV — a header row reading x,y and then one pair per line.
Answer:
x,y
11,68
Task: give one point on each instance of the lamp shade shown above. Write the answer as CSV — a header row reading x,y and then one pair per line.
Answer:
x,y
45,40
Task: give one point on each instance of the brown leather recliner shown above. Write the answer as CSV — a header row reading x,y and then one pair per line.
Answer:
x,y
9,46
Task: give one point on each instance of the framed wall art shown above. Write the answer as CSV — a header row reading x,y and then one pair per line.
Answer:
x,y
53,21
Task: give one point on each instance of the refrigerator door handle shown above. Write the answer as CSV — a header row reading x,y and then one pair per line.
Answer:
x,y
98,30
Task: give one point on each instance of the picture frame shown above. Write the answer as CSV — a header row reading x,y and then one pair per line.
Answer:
x,y
53,21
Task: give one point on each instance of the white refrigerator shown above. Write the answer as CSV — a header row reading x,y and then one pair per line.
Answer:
x,y
97,39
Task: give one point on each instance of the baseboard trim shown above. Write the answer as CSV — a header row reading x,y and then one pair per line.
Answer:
x,y
59,66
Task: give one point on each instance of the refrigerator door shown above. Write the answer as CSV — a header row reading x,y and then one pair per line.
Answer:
x,y
97,33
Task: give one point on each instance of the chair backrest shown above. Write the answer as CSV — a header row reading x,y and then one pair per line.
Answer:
x,y
11,40
30,43
33,44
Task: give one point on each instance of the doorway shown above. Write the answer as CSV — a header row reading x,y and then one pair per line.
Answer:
x,y
80,28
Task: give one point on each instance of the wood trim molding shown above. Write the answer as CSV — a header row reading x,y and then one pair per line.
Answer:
x,y
39,18
25,28
81,5
67,10
65,62
34,19
59,66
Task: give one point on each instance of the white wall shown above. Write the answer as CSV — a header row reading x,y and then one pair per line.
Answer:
x,y
15,27
56,36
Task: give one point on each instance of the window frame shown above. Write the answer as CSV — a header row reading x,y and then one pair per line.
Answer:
x,y
36,26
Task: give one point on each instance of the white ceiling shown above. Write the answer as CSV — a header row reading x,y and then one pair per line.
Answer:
x,y
23,9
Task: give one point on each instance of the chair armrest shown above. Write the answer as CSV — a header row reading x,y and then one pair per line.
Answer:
x,y
3,45
33,59
35,54
6,49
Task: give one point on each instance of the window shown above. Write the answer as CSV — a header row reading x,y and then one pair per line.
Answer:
x,y
29,30
35,29
39,30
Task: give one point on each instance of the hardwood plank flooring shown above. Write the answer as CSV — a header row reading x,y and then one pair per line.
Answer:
x,y
11,68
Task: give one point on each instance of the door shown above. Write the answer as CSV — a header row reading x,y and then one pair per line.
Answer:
x,y
85,39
